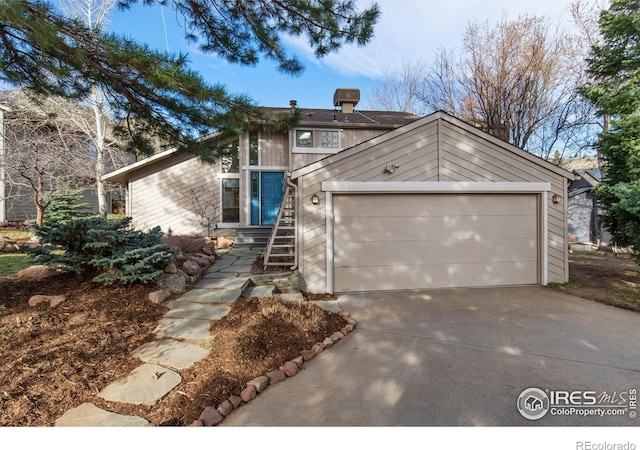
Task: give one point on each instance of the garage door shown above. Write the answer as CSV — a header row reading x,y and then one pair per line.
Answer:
x,y
415,241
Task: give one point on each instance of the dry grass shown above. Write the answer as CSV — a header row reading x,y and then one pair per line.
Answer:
x,y
302,314
186,244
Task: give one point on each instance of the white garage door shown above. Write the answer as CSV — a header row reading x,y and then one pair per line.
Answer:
x,y
415,241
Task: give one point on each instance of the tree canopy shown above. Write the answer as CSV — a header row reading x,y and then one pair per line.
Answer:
x,y
615,90
154,93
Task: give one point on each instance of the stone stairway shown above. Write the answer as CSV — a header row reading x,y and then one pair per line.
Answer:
x,y
254,236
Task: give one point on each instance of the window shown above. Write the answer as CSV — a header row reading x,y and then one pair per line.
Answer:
x,y
304,138
231,200
254,149
230,160
330,139
317,141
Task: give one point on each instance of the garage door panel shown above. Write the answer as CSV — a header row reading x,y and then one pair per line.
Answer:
x,y
355,279
433,204
412,241
438,228
392,253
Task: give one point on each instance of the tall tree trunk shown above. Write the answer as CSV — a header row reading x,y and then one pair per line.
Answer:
x,y
98,110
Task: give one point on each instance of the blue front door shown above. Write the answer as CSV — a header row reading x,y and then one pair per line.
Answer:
x,y
266,195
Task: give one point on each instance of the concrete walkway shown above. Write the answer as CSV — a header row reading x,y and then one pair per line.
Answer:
x,y
183,336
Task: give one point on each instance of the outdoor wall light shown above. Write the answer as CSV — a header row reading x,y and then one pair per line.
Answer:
x,y
315,199
555,198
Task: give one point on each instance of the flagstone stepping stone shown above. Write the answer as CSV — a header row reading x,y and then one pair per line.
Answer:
x,y
89,415
183,328
145,385
171,353
196,311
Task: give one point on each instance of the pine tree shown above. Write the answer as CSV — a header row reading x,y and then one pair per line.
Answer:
x,y
615,67
156,94
119,253
66,206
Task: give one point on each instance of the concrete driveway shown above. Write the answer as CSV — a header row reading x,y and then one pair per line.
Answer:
x,y
458,358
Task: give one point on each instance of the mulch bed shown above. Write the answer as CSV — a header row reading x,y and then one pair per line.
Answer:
x,y
54,359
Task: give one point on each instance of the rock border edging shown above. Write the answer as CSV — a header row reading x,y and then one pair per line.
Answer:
x,y
212,416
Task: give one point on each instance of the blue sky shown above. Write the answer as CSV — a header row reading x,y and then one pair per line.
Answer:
x,y
408,30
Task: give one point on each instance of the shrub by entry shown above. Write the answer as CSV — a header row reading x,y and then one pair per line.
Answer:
x,y
121,254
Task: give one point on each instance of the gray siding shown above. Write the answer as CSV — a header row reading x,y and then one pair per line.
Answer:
x,y
159,195
349,139
274,150
429,150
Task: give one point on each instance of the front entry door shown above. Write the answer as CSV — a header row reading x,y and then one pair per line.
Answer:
x,y
266,195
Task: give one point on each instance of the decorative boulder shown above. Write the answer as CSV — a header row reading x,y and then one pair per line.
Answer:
x,y
53,300
172,282
223,242
191,268
36,273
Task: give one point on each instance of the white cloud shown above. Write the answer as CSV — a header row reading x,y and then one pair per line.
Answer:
x,y
410,30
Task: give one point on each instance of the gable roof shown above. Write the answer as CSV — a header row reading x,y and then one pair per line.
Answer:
x,y
438,115
585,180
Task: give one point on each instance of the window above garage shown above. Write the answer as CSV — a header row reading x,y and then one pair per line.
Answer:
x,y
316,141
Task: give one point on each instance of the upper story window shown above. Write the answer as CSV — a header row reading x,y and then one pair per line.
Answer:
x,y
317,141
304,138
329,139
230,159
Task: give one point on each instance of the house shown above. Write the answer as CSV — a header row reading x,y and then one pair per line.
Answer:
x,y
16,198
365,201
584,226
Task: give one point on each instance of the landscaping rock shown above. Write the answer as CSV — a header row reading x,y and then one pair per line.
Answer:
x,y
211,417
53,300
276,376
235,401
197,423
223,242
317,348
307,354
191,268
171,268
160,296
248,393
261,383
289,368
327,342
8,247
225,408
5,280
36,273
348,328
209,250
298,360
173,282
202,261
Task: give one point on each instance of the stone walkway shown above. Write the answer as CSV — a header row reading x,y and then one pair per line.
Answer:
x,y
183,334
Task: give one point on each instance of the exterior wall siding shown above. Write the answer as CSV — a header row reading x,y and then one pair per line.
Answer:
x,y
435,151
349,138
160,195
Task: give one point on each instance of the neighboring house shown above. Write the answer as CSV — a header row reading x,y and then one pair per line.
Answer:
x,y
374,201
583,211
16,202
